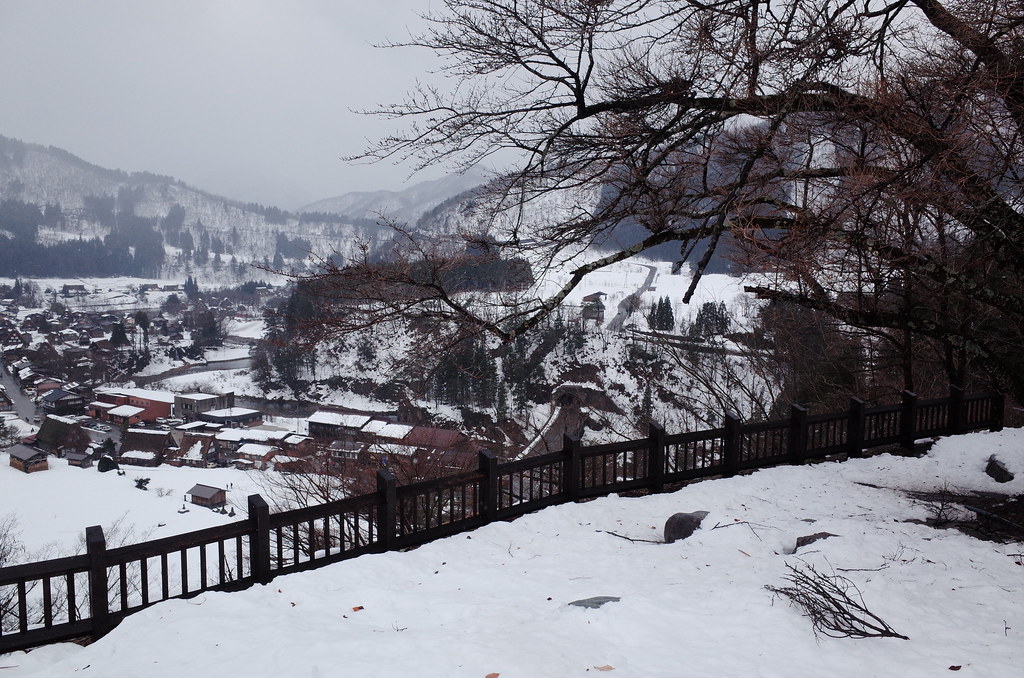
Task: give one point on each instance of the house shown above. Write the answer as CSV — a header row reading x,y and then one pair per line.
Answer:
x,y
125,415
210,497
28,459
194,449
233,417
155,404
332,425
73,290
187,406
6,404
257,454
61,401
593,307
60,435
386,430
145,447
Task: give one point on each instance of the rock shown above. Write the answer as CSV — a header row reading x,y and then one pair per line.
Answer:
x,y
682,525
811,538
997,470
595,602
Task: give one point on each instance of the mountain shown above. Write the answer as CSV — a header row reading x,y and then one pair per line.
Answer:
x,y
56,203
405,205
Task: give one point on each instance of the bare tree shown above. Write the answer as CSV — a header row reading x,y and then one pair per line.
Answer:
x,y
866,151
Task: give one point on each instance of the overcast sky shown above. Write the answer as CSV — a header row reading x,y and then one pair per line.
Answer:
x,y
248,98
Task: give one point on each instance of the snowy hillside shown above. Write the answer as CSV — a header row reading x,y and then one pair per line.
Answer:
x,y
496,602
45,175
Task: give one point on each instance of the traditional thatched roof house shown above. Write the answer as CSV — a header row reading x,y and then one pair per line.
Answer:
x,y
59,435
195,449
144,447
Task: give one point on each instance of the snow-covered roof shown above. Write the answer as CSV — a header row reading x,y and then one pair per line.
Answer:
x,y
190,426
199,396
142,393
393,449
394,431
284,459
99,405
235,435
256,449
125,411
339,419
296,439
146,431
204,491
195,452
231,412
138,454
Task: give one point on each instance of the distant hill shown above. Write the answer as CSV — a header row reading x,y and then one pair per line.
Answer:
x,y
89,204
405,205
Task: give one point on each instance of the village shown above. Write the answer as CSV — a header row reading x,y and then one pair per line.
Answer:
x,y
58,409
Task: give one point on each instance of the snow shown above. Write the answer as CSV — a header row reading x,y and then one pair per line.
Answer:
x,y
141,393
125,411
496,600
54,507
339,419
231,412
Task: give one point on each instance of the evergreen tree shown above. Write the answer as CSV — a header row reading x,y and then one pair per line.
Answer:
x,y
118,337
647,404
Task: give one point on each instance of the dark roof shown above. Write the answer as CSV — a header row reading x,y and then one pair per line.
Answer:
x,y
58,394
24,452
145,440
204,491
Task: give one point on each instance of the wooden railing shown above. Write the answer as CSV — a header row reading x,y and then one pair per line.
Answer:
x,y
89,594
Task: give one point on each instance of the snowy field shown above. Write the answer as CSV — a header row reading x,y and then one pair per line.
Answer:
x,y
54,507
495,601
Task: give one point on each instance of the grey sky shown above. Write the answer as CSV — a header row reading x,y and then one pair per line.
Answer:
x,y
249,98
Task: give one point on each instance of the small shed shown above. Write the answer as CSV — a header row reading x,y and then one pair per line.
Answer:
x,y
210,497
28,459
79,459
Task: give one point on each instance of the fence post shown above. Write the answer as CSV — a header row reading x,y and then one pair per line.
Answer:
x,y
855,428
259,548
96,549
998,411
797,434
908,421
488,486
387,505
571,484
731,439
957,420
656,457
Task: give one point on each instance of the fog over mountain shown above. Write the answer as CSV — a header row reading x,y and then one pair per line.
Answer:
x,y
406,205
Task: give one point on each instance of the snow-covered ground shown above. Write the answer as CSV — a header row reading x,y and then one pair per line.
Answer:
x,y
54,507
495,601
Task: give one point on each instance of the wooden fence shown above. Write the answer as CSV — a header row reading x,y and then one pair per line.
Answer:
x,y
87,595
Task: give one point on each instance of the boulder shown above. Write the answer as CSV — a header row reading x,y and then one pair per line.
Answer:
x,y
682,525
811,538
997,470
595,602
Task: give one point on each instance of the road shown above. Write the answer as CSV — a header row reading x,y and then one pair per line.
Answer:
x,y
23,405
632,302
